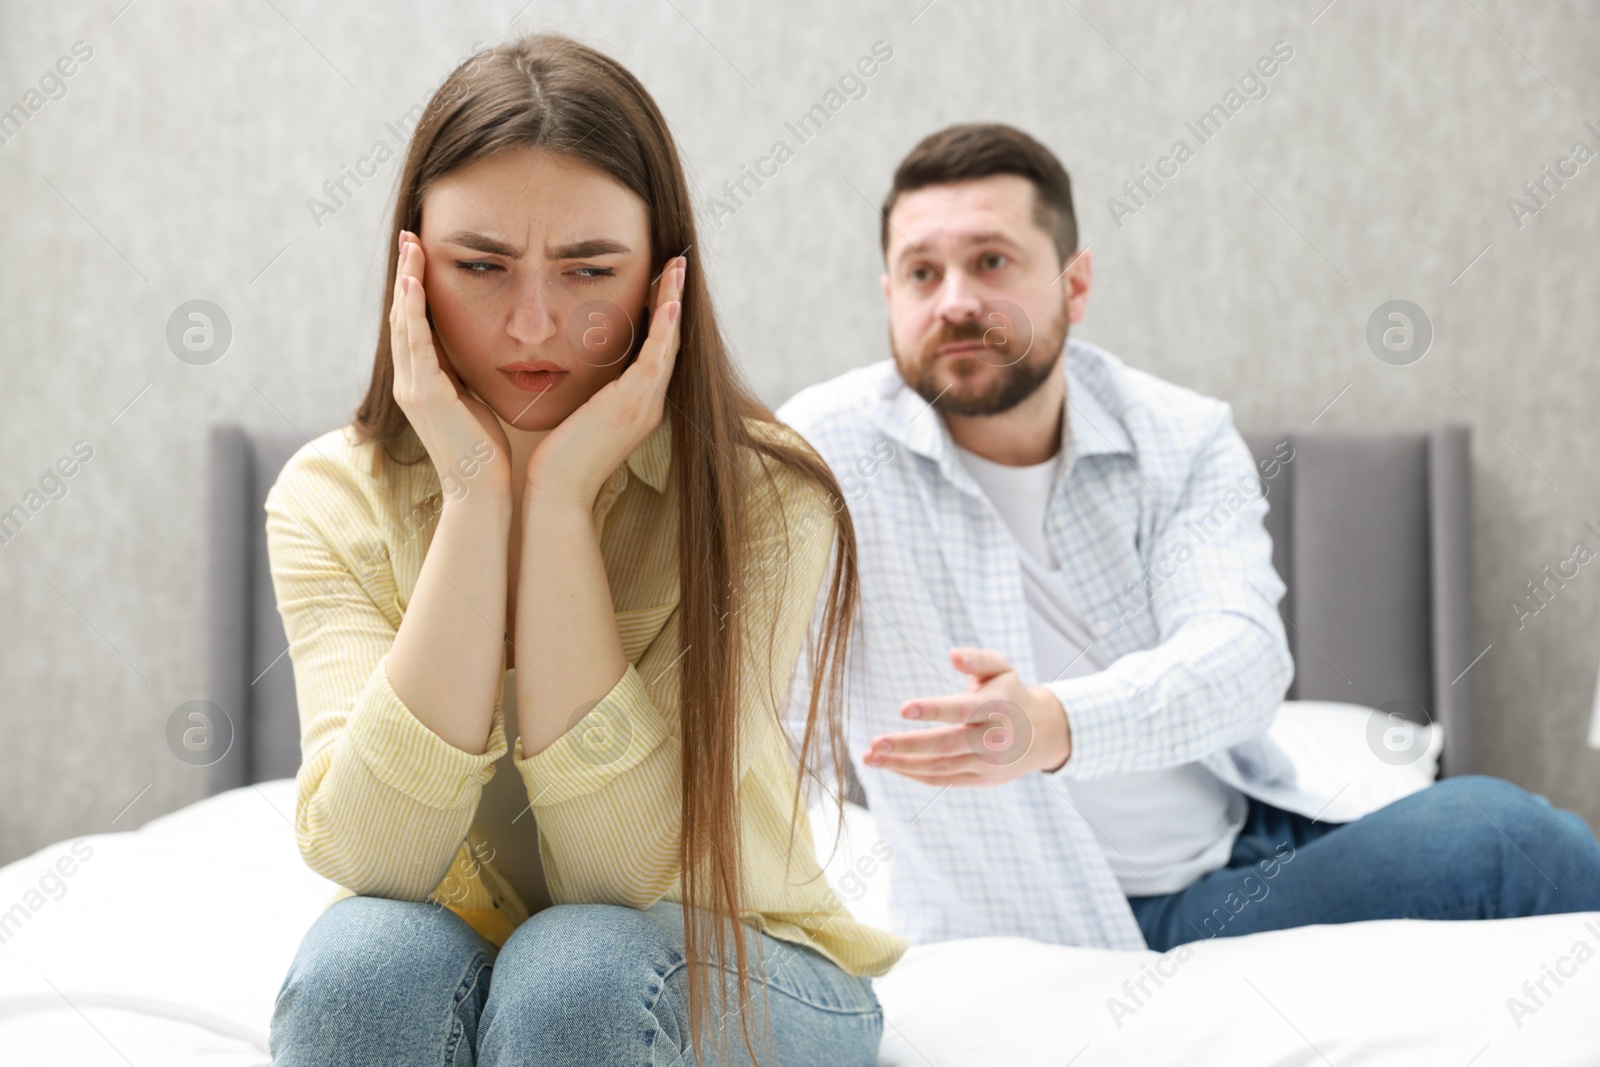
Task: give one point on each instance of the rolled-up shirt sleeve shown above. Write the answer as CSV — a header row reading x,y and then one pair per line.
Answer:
x,y
611,739
1222,665
371,774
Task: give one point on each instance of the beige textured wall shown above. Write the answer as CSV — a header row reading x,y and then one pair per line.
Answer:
x,y
1378,165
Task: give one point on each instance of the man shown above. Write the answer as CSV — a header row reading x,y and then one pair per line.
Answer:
x,y
1083,544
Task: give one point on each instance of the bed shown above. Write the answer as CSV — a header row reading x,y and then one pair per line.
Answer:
x,y
98,965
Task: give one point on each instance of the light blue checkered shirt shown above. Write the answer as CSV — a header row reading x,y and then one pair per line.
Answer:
x,y
1156,517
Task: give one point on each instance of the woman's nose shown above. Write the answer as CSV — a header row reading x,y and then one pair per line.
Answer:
x,y
533,318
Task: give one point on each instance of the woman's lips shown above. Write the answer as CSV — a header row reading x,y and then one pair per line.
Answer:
x,y
534,381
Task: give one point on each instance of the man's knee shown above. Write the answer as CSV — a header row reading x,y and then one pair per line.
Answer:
x,y
1500,811
1549,859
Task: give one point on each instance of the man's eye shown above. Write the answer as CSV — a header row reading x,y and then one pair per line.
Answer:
x,y
920,274
994,261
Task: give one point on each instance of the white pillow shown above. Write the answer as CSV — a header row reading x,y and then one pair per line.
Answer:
x,y
1362,757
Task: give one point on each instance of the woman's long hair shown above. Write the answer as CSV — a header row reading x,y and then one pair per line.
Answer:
x,y
551,93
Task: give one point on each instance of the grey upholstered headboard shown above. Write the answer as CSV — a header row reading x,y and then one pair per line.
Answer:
x,y
1372,534
251,675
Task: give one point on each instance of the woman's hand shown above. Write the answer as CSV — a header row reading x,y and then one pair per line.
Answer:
x,y
573,461
463,436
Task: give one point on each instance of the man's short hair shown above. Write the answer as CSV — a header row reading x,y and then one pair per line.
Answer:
x,y
979,150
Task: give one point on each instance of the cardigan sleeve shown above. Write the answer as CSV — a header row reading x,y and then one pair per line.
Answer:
x,y
371,773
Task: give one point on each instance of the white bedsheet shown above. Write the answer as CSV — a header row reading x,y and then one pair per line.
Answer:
x,y
197,916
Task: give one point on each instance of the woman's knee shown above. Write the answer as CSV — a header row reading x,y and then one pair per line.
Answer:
x,y
601,983
366,941
576,977
370,966
595,954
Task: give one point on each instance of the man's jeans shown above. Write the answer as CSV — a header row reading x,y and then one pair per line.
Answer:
x,y
1468,847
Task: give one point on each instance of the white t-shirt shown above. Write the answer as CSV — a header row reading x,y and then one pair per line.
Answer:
x,y
1161,830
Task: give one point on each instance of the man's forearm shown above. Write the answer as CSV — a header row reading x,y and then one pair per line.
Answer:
x,y
1211,685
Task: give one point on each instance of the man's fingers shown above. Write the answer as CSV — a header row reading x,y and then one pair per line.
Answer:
x,y
937,741
964,763
981,665
985,663
944,750
956,707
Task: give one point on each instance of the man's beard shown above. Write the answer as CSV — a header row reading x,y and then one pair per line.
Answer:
x,y
1014,379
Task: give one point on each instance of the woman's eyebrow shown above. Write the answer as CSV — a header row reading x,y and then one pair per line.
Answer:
x,y
483,243
593,246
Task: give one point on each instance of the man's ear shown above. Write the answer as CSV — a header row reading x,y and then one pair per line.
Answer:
x,y
1075,281
883,280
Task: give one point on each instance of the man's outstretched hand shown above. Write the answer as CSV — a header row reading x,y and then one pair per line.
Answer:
x,y
999,729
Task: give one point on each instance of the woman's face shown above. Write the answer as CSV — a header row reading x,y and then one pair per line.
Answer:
x,y
534,258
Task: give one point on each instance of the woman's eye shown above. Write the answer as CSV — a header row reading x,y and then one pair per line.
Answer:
x,y
591,273
470,268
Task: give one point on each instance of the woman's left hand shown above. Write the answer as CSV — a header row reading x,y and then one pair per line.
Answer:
x,y
574,460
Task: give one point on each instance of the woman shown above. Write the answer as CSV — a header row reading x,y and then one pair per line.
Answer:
x,y
555,437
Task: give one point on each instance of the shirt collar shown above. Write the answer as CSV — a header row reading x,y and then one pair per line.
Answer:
x,y
652,460
1088,427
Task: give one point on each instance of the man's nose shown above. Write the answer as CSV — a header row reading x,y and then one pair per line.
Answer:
x,y
958,297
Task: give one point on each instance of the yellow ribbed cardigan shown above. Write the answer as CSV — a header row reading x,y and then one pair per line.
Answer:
x,y
384,806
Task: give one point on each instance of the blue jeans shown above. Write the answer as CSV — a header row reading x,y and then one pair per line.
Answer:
x,y
397,983
1468,847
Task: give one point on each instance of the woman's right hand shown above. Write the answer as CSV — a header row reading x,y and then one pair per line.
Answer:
x,y
463,436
